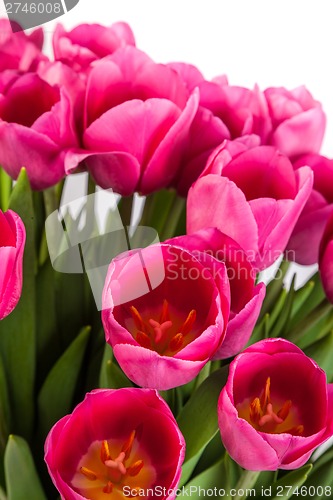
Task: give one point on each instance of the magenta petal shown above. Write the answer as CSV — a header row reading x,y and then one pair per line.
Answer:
x,y
240,327
165,161
253,453
149,369
45,162
301,134
226,209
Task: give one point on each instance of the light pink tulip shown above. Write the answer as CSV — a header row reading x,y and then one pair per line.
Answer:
x,y
252,194
245,297
312,221
275,408
87,43
18,50
136,126
298,121
114,442
36,128
326,259
165,313
12,241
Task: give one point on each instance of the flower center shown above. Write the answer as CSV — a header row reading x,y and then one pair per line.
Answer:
x,y
163,336
266,416
107,471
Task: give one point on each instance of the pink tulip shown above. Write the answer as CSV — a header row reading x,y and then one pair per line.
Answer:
x,y
165,313
252,194
18,50
245,297
311,223
12,241
116,443
87,43
326,259
275,408
298,121
36,128
137,120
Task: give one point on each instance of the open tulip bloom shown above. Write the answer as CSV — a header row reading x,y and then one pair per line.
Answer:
x,y
143,351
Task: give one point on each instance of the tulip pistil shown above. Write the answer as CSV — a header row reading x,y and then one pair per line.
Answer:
x,y
162,335
111,472
264,416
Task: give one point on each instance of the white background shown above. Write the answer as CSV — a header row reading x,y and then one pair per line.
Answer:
x,y
269,42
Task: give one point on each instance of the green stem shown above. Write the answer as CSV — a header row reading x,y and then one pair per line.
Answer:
x,y
125,208
171,223
246,482
50,201
274,288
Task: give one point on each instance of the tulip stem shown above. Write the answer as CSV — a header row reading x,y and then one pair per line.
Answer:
x,y
274,288
175,212
247,480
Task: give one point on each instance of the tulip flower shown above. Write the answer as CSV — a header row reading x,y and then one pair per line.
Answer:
x,y
326,259
312,221
298,121
275,408
165,312
12,241
252,194
245,297
137,119
35,117
116,444
20,51
87,43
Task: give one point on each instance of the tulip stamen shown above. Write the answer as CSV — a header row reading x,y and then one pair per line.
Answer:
x,y
105,451
135,468
127,447
165,316
108,488
139,323
189,322
89,474
266,395
255,411
176,342
284,412
298,430
143,339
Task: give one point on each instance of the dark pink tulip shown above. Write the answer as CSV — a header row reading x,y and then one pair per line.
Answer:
x,y
116,443
12,241
36,128
326,259
137,120
245,297
18,50
298,120
165,313
311,223
275,408
87,43
252,194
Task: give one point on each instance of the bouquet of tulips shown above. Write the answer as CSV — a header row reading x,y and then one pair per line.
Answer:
x,y
141,352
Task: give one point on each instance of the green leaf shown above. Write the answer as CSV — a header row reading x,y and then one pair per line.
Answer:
x,y
321,352
17,331
198,418
211,478
274,289
314,326
282,320
5,189
316,296
56,395
21,477
321,476
111,376
295,479
188,468
245,483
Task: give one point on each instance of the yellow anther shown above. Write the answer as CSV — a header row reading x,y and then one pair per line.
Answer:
x,y
89,474
135,468
127,447
176,342
189,322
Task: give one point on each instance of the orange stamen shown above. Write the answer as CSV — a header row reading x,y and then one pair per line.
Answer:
x,y
105,452
189,322
139,323
176,342
143,339
266,396
108,487
165,312
255,411
127,447
284,412
298,430
89,474
134,469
